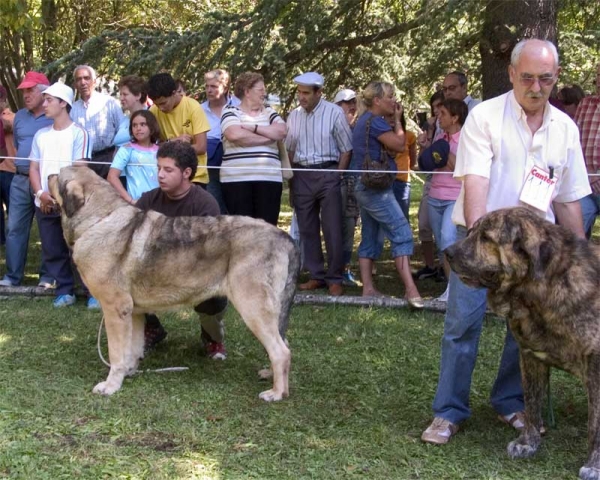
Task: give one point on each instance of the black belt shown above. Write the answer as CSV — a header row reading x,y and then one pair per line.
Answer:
x,y
24,174
319,166
103,151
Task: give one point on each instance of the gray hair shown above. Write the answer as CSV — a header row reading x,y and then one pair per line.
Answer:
x,y
88,68
518,50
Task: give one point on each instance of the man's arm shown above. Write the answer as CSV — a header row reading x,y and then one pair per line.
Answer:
x,y
344,160
569,216
476,192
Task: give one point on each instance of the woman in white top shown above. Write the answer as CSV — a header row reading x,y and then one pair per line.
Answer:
x,y
253,184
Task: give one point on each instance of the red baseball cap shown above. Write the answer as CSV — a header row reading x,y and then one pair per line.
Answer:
x,y
32,79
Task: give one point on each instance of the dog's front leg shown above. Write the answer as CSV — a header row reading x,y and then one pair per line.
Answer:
x,y
122,354
591,469
534,376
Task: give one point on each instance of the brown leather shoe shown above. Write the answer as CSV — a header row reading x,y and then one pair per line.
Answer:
x,y
312,285
335,290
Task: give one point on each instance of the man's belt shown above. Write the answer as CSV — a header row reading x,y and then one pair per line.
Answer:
x,y
319,166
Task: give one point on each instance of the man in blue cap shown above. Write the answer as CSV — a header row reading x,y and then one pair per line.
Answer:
x,y
319,139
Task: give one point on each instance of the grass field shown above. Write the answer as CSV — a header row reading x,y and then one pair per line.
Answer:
x,y
362,382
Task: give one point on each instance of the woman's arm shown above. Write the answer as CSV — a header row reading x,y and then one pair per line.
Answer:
x,y
244,138
275,131
392,142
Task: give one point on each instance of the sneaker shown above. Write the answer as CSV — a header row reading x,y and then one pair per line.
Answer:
x,y
47,285
93,304
64,301
424,273
216,351
517,421
443,297
348,279
5,282
439,432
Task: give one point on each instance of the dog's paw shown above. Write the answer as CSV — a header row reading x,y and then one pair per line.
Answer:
x,y
265,374
271,396
589,473
103,388
520,449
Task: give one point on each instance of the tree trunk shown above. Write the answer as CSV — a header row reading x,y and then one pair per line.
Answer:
x,y
505,24
49,31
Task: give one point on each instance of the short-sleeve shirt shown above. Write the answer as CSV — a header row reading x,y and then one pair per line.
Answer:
x,y
403,159
101,117
55,149
359,142
25,126
253,158
318,136
197,203
443,185
189,118
587,118
139,165
496,143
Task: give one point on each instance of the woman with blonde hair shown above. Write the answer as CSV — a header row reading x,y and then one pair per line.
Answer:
x,y
379,211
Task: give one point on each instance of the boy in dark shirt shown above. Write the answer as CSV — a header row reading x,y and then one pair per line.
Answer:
x,y
179,197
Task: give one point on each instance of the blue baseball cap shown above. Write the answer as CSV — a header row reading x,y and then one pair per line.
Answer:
x,y
435,156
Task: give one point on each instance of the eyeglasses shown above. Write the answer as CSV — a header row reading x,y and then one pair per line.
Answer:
x,y
450,88
544,80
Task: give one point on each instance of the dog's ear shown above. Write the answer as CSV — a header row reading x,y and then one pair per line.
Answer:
x,y
538,249
73,197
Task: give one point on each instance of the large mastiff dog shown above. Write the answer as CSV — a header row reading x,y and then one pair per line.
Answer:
x,y
135,262
545,281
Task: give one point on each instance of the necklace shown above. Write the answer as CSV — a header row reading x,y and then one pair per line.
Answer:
x,y
181,195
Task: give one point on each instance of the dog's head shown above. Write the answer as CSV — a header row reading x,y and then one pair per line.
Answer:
x,y
72,187
504,248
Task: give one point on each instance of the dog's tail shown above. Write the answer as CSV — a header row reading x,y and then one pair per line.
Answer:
x,y
290,285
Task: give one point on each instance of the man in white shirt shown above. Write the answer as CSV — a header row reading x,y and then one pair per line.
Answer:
x,y
505,142
58,145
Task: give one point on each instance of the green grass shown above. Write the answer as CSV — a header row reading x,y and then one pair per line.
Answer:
x,y
362,382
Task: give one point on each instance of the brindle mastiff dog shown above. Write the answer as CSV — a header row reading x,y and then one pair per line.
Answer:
x,y
134,262
545,281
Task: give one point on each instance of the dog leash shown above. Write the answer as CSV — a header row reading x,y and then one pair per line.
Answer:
x,y
156,370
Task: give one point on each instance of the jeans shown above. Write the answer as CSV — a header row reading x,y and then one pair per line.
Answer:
x,y
350,212
20,217
381,214
462,328
590,209
440,219
402,193
214,188
5,180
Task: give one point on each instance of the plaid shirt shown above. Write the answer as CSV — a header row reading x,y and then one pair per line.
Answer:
x,y
587,118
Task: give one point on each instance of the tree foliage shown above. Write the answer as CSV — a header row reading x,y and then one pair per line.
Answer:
x,y
410,42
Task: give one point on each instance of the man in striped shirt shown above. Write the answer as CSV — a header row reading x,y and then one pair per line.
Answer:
x,y
319,139
587,119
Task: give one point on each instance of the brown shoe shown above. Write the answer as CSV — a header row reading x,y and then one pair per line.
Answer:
x,y
335,290
312,285
439,432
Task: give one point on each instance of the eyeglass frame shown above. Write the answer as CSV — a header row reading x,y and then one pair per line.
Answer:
x,y
546,80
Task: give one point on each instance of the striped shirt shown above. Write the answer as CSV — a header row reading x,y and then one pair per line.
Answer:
x,y
101,117
319,136
251,157
55,149
587,119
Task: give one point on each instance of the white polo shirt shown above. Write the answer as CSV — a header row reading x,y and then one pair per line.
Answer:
x,y
496,143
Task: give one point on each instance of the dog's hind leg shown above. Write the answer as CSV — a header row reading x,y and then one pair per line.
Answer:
x,y
123,355
591,469
262,319
534,374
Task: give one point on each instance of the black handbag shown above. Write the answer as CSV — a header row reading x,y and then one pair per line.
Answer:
x,y
377,172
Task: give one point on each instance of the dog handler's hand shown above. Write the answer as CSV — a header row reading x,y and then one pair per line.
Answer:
x,y
47,203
